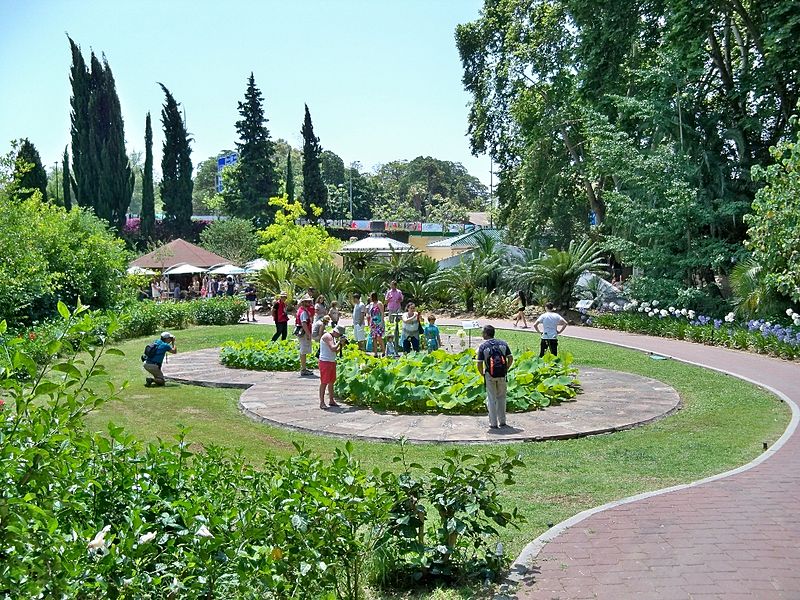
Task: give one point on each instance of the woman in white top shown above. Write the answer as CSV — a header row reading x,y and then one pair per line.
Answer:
x,y
320,308
411,328
328,349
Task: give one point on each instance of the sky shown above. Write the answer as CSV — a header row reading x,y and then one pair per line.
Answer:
x,y
382,78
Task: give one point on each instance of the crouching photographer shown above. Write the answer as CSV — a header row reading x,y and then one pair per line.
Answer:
x,y
153,358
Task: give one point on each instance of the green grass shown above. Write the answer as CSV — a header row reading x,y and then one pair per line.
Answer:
x,y
722,425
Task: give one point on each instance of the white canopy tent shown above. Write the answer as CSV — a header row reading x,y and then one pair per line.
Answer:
x,y
139,271
256,265
226,270
184,269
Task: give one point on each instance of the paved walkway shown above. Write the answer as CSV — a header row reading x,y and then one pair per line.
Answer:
x,y
732,536
610,401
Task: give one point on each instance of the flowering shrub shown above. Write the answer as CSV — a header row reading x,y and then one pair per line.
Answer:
x,y
87,515
263,355
756,335
440,382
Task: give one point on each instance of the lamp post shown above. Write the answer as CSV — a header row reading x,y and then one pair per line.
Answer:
x,y
351,192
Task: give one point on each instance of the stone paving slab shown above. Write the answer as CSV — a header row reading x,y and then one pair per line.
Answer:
x,y
610,401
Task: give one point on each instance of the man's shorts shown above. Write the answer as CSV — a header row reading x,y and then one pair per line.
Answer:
x,y
305,344
327,372
252,304
359,334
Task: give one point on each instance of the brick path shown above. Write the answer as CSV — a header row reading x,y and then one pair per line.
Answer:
x,y
610,401
732,536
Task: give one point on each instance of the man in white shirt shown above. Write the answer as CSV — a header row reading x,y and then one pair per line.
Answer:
x,y
359,312
549,324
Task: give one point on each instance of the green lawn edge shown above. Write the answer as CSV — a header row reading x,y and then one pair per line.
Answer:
x,y
722,425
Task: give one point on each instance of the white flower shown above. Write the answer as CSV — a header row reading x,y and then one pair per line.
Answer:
x,y
147,537
651,313
671,309
635,303
729,317
690,314
796,319
641,309
683,312
655,302
99,540
664,312
204,532
645,306
789,312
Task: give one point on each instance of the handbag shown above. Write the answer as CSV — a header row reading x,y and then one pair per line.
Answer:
x,y
298,331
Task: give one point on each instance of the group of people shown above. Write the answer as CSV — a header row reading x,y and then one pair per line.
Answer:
x,y
208,286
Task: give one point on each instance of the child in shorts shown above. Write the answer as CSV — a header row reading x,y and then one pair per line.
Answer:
x,y
433,340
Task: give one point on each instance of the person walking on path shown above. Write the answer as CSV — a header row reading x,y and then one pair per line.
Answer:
x,y
281,317
250,296
154,360
411,328
329,346
376,323
522,305
494,360
303,321
359,312
549,324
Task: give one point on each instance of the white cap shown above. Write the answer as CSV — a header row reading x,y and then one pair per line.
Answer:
x,y
166,335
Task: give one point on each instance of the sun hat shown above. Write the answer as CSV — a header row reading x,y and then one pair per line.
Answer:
x,y
340,329
306,298
166,335
284,293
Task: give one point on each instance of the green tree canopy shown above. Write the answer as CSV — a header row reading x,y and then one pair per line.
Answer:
x,y
147,223
314,191
234,238
29,174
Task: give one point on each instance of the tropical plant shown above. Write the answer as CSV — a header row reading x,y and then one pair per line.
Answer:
x,y
325,277
359,262
398,266
558,271
262,355
440,382
752,297
367,282
489,251
275,278
463,281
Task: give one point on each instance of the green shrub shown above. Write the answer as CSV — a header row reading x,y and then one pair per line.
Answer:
x,y
87,515
218,311
148,317
263,355
440,382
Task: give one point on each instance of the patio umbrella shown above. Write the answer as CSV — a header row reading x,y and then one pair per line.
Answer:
x,y
256,265
139,271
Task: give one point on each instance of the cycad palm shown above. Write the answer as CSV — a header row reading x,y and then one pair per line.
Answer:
x,y
751,296
463,281
557,271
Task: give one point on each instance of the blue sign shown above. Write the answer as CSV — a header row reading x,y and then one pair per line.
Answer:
x,y
222,162
592,218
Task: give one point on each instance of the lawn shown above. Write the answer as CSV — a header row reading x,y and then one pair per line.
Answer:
x,y
722,424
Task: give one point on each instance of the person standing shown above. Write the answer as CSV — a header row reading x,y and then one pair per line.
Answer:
x,y
320,308
329,345
230,289
411,328
494,359
250,296
304,322
522,304
433,339
359,312
154,360
549,324
376,323
281,317
394,303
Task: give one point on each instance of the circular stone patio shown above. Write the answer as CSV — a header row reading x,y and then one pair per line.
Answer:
x,y
610,401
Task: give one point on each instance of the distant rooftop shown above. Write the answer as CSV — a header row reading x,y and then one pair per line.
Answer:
x,y
377,242
469,239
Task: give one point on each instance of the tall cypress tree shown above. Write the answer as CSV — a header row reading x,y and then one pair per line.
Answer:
x,y
289,176
83,164
103,176
29,174
176,168
147,224
314,190
66,180
255,178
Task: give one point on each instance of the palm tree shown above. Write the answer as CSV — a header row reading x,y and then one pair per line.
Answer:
x,y
328,279
463,281
751,296
359,262
400,266
275,278
492,254
558,270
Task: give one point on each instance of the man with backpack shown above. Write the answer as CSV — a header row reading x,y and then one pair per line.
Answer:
x,y
153,358
494,360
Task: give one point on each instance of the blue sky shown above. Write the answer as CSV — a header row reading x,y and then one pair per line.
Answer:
x,y
382,78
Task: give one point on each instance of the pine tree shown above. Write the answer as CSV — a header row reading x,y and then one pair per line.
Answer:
x,y
29,174
66,180
289,177
255,178
147,222
314,191
176,168
103,176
